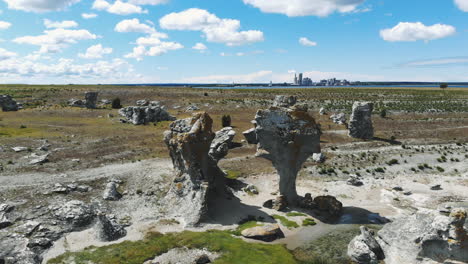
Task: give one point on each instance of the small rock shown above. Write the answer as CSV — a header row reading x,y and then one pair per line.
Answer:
x,y
329,204
251,136
397,188
111,193
339,119
318,157
203,259
436,187
251,189
40,160
19,149
354,181
108,229
267,233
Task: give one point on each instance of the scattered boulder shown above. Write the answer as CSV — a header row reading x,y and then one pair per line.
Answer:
x,y
329,204
364,249
339,119
278,204
251,189
19,149
284,101
203,259
287,137
40,159
322,111
250,136
318,157
192,108
140,115
267,232
437,187
219,147
185,256
197,174
108,229
360,123
354,181
8,104
426,237
5,221
397,188
76,213
111,193
91,99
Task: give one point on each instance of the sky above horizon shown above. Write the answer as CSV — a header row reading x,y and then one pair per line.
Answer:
x,y
242,41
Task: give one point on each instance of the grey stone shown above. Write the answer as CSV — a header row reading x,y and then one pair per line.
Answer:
x,y
360,123
40,159
339,119
329,204
76,213
111,193
140,115
91,99
364,249
287,137
191,108
436,187
219,147
189,142
108,229
5,221
250,136
267,232
8,104
322,111
19,149
284,101
354,181
318,157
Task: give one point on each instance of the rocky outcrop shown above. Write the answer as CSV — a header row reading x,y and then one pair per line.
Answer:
x,y
140,115
284,101
360,123
287,137
319,157
197,174
250,136
278,204
322,111
89,101
267,232
219,148
108,229
8,104
111,193
75,213
329,204
425,237
5,221
364,249
339,119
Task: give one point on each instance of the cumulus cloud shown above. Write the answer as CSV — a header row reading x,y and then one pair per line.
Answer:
x,y
306,42
407,31
118,7
152,45
215,29
40,5
88,15
200,47
294,8
55,40
134,25
148,2
241,78
462,4
4,25
60,24
95,52
5,54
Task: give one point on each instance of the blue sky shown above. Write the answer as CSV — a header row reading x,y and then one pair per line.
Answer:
x,y
212,41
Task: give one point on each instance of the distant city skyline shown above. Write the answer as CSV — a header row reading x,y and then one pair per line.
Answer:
x,y
241,41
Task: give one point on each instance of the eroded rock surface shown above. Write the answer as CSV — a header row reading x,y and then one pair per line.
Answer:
x,y
360,123
8,104
139,115
250,136
189,142
220,146
108,229
339,119
284,101
267,232
91,99
287,137
364,249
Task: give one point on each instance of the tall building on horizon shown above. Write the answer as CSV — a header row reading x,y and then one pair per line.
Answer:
x,y
300,79
295,79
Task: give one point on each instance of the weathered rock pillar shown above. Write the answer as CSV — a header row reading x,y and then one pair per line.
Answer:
x,y
91,99
360,123
287,137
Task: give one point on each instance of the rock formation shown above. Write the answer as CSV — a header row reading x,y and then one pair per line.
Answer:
x,y
197,174
250,136
287,137
339,119
364,249
360,123
89,101
284,101
220,146
111,193
8,104
108,229
140,115
267,232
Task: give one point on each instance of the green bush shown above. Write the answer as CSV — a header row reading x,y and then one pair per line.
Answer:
x,y
116,103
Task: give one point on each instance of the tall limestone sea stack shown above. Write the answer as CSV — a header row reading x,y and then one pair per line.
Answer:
x,y
360,123
190,143
287,136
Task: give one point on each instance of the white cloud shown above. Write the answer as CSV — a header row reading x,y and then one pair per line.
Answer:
x,y
200,47
134,25
55,40
148,2
437,62
88,15
462,4
306,42
5,54
215,29
118,7
4,25
60,24
40,5
241,78
152,45
407,31
95,52
293,8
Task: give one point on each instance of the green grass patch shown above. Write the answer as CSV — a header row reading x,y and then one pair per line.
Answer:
x,y
232,174
244,226
308,222
286,222
233,250
292,214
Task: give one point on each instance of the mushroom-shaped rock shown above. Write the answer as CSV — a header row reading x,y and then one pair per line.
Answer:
x,y
189,142
267,232
364,249
91,99
287,137
220,146
360,123
8,104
